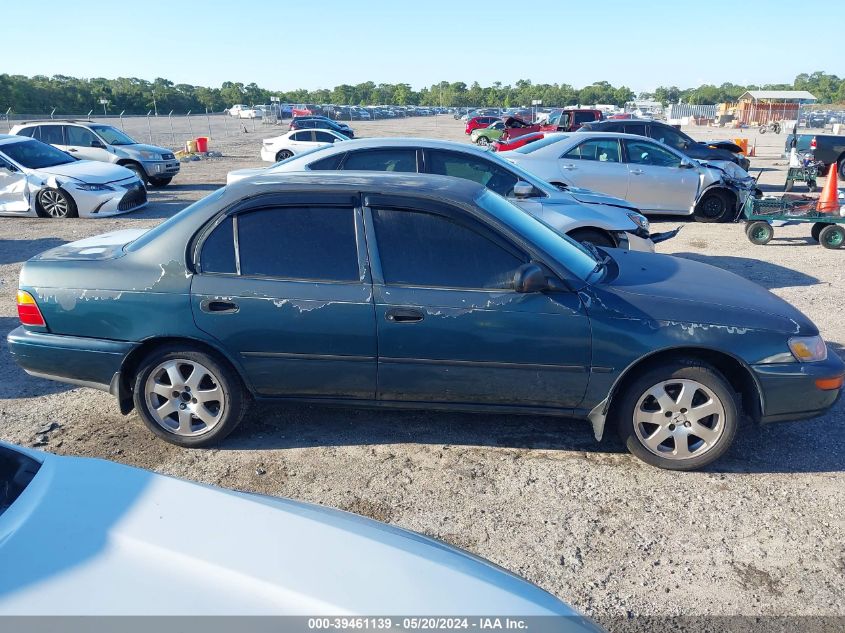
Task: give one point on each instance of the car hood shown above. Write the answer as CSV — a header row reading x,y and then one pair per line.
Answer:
x,y
92,537
90,171
667,288
141,147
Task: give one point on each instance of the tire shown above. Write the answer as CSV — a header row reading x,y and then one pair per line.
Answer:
x,y
662,403
592,236
817,229
760,233
55,203
191,422
283,154
811,186
160,182
842,168
832,236
788,186
483,141
714,206
762,129
139,171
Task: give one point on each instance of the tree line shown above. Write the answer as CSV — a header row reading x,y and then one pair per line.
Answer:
x,y
72,95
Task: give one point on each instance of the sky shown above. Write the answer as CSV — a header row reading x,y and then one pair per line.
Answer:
x,y
319,44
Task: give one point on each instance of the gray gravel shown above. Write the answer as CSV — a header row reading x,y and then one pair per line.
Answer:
x,y
760,533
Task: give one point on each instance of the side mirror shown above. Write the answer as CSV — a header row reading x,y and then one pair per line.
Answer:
x,y
685,164
530,278
522,189
97,144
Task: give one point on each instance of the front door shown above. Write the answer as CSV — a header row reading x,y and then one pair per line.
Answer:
x,y
451,329
596,164
285,290
14,189
658,182
84,144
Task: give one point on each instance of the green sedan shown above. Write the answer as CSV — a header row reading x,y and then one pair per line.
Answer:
x,y
484,136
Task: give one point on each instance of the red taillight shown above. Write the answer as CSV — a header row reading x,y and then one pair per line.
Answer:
x,y
813,143
28,310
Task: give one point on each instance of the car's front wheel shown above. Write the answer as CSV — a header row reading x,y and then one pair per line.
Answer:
x,y
679,416
56,203
160,182
188,397
714,206
592,236
483,141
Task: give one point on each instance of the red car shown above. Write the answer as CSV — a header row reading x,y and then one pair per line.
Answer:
x,y
561,121
480,121
519,141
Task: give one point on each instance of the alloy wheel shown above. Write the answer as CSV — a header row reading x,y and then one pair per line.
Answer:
x,y
184,397
679,419
54,203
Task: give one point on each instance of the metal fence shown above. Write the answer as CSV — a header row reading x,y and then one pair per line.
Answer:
x,y
170,130
683,110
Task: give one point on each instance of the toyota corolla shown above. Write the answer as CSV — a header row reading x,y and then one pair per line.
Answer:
x,y
416,291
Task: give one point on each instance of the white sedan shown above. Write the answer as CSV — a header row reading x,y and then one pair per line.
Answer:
x,y
296,142
37,179
242,111
81,536
650,175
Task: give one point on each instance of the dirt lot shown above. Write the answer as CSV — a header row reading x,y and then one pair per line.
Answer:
x,y
759,533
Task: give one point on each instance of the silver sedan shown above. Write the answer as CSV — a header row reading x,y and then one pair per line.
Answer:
x,y
648,174
38,179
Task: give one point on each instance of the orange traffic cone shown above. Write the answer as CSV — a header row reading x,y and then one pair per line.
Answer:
x,y
829,198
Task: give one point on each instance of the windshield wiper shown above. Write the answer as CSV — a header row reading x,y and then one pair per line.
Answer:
x,y
601,260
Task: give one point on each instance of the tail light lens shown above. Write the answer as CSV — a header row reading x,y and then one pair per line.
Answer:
x,y
813,143
28,310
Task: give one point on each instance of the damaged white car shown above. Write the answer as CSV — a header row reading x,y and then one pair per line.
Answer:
x,y
38,179
655,178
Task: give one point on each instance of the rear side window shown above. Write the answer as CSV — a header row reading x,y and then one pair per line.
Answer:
x,y
315,243
218,250
400,159
423,249
79,136
602,150
635,128
51,134
302,136
327,163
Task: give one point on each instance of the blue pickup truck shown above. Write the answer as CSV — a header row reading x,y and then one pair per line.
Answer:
x,y
827,148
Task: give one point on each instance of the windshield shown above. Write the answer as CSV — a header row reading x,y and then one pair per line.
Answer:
x,y
543,142
16,471
34,154
569,253
113,136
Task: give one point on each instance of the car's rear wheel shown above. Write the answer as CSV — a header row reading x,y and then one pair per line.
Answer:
x,y
56,203
592,236
160,182
680,416
283,154
188,397
714,206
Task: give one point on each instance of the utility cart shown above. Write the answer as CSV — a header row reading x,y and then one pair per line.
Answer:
x,y
828,229
808,171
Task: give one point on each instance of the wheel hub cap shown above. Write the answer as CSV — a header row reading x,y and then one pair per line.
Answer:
x,y
679,419
184,397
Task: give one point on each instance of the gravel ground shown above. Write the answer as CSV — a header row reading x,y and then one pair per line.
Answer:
x,y
759,533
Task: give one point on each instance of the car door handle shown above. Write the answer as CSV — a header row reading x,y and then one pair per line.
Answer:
x,y
637,172
72,150
568,166
404,315
219,307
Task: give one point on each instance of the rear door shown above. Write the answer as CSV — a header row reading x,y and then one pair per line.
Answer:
x,y
596,163
657,182
451,328
284,286
83,143
52,134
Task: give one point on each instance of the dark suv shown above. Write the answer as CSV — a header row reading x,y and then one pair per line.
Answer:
x,y
321,123
673,137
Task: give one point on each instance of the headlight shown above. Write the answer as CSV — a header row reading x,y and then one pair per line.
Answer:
x,y
83,186
150,155
640,220
808,349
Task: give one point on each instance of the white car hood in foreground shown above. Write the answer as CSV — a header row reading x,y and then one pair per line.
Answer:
x,y
90,171
91,537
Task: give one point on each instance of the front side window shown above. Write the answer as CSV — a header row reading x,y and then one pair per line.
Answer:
x,y
35,155
423,249
642,153
315,243
584,117
400,160
635,128
469,167
602,150
79,136
325,137
113,136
